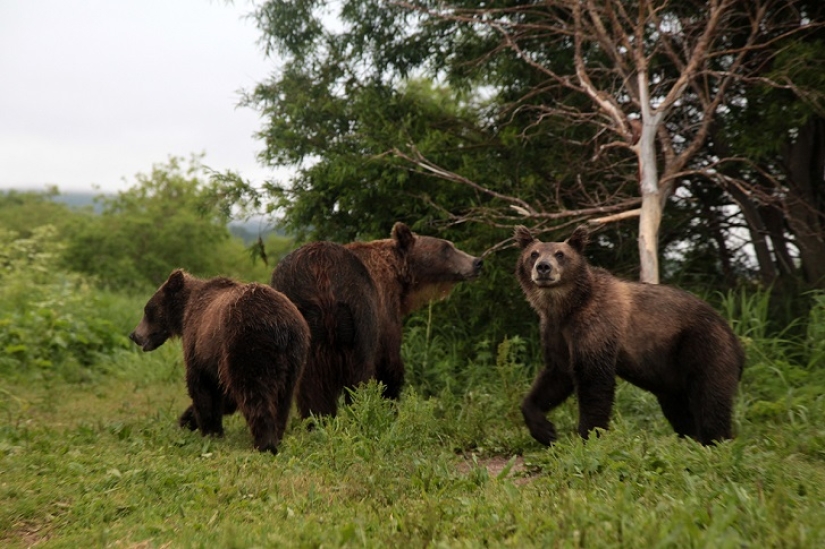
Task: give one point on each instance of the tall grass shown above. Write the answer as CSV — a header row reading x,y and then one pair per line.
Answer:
x,y
815,334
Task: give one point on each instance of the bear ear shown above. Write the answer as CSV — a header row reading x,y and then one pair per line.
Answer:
x,y
403,236
175,282
579,239
523,236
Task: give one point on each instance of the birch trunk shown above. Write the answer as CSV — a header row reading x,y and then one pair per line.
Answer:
x,y
652,203
649,221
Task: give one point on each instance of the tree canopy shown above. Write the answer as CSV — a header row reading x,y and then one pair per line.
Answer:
x,y
160,223
553,114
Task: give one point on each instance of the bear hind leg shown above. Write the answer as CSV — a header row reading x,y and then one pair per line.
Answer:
x,y
189,421
263,424
713,412
391,374
676,408
259,397
320,384
261,413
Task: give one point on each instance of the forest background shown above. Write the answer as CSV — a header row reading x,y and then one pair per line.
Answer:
x,y
462,122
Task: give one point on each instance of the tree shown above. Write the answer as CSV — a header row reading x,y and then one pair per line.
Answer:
x,y
597,77
24,211
657,72
151,228
778,137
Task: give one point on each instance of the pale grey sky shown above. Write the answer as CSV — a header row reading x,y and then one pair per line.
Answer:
x,y
95,91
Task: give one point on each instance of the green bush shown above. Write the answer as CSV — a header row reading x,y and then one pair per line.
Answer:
x,y
49,318
146,231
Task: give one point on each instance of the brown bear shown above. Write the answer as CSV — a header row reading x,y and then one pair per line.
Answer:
x,y
595,326
354,298
244,346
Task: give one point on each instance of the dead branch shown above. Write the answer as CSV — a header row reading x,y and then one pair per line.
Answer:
x,y
616,217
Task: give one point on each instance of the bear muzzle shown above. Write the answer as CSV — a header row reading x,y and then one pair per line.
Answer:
x,y
468,270
478,264
150,343
543,274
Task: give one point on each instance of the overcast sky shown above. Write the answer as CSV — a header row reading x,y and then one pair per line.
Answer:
x,y
94,91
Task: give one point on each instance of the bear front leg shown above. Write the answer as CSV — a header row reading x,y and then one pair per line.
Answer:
x,y
595,389
551,388
207,402
187,419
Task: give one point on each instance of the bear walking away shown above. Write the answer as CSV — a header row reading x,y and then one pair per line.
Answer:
x,y
354,298
595,326
244,346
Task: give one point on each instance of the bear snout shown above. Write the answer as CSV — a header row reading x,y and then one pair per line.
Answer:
x,y
148,342
468,269
544,274
142,342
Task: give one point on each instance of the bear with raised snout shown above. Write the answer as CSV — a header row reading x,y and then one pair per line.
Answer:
x,y
244,346
354,298
595,327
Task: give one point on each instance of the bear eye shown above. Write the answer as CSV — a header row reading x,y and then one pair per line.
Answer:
x,y
559,255
534,255
151,313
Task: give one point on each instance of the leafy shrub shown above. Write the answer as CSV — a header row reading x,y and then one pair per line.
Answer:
x,y
48,317
146,231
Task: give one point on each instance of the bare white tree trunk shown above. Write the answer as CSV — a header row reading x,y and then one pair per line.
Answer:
x,y
649,221
652,204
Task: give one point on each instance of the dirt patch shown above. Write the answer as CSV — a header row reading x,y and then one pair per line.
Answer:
x,y
496,465
27,534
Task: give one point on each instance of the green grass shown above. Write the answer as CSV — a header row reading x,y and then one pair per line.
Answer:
x,y
104,464
92,456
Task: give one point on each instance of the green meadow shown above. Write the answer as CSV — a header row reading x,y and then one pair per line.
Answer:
x,y
91,455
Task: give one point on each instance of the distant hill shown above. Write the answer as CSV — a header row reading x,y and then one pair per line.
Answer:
x,y
78,199
247,230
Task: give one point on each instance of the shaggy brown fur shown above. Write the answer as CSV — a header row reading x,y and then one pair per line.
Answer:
x,y
354,298
595,326
244,346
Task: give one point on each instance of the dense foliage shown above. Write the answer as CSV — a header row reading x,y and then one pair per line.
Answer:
x,y
155,226
420,111
65,271
50,321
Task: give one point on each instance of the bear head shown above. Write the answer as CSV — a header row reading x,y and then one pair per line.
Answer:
x,y
434,265
163,313
548,265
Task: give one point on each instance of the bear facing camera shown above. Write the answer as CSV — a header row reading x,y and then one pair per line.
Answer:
x,y
595,326
244,346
